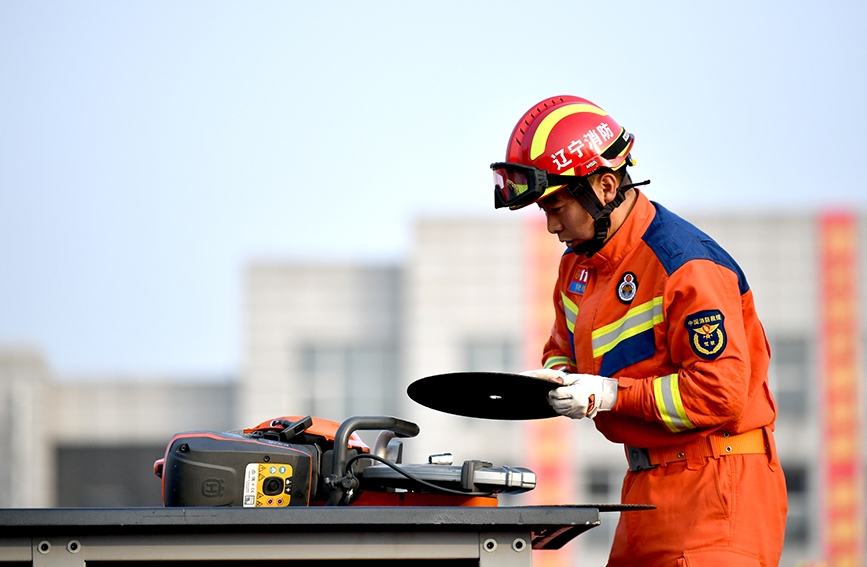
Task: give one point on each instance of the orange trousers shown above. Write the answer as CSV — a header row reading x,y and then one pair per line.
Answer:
x,y
711,512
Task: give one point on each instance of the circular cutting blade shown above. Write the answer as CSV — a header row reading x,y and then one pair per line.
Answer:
x,y
487,395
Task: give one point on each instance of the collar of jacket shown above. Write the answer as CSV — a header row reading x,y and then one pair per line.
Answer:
x,y
627,236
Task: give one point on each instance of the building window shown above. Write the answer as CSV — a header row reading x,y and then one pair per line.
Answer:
x,y
492,355
599,485
797,527
602,486
98,476
350,380
788,374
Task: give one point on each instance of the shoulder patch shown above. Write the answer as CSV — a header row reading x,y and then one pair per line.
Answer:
x,y
707,333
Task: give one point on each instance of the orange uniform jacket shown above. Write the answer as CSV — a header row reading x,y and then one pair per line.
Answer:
x,y
667,312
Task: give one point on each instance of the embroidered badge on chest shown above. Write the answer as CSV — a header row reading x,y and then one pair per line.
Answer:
x,y
707,333
627,287
579,282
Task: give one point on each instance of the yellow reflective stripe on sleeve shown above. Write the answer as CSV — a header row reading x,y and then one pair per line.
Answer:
x,y
666,393
540,138
570,310
636,320
559,361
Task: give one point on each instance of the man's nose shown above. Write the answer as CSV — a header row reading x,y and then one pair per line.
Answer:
x,y
554,225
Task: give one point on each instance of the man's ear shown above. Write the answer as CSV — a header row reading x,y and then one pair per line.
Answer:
x,y
608,183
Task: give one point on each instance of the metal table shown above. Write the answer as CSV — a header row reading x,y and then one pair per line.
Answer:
x,y
320,536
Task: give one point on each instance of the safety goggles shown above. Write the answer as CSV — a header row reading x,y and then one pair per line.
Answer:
x,y
517,185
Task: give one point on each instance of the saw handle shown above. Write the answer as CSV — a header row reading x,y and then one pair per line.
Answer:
x,y
400,427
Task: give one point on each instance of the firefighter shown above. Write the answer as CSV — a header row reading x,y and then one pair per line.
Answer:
x,y
657,340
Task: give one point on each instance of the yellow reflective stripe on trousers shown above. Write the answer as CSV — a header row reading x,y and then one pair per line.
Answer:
x,y
667,395
636,320
559,361
570,310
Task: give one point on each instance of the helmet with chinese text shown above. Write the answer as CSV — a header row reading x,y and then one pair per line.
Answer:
x,y
569,135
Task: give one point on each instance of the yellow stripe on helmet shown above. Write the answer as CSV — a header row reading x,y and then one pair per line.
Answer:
x,y
540,138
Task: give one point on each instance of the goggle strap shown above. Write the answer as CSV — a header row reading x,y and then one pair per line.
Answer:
x,y
618,146
621,196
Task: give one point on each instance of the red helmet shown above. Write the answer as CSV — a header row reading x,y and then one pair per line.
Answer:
x,y
564,135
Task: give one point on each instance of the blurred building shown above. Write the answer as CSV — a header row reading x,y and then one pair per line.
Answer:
x,y
341,339
321,339
92,441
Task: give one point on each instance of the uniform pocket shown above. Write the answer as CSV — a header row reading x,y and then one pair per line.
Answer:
x,y
724,472
628,483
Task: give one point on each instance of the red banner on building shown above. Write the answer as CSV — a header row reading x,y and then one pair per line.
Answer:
x,y
548,441
840,394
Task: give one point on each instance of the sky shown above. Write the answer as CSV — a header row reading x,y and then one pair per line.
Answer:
x,y
149,151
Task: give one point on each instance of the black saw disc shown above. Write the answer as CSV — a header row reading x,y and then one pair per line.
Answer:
x,y
487,395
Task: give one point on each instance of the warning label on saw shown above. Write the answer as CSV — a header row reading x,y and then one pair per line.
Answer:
x,y
267,485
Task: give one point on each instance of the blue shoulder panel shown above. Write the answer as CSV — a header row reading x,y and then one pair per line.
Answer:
x,y
675,242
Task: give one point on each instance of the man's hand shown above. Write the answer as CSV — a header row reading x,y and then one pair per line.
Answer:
x,y
549,374
584,395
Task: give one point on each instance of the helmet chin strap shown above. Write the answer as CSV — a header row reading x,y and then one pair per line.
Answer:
x,y
601,214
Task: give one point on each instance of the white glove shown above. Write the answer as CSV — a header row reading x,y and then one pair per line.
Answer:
x,y
584,395
550,374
